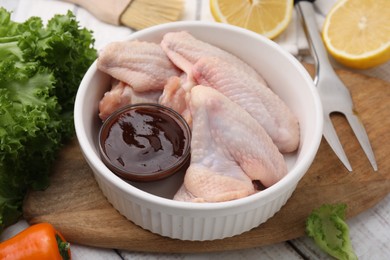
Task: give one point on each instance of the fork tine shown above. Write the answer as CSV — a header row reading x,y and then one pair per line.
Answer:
x,y
331,137
334,142
362,137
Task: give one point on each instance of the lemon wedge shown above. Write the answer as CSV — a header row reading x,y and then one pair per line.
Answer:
x,y
267,17
357,32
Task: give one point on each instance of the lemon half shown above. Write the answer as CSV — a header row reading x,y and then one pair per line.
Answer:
x,y
266,17
357,32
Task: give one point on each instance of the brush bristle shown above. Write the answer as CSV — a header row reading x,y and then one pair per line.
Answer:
x,y
141,14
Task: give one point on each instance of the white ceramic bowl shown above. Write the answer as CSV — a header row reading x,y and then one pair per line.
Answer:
x,y
148,205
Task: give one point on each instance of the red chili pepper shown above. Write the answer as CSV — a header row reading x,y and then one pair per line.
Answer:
x,y
40,241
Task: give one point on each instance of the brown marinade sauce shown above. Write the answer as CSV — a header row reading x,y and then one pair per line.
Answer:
x,y
145,141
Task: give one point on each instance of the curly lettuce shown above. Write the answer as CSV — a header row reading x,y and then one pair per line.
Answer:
x,y
327,226
40,71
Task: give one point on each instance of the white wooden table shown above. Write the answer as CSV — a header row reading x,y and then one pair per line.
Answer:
x,y
370,231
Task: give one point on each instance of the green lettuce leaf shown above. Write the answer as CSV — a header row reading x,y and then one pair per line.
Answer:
x,y
40,70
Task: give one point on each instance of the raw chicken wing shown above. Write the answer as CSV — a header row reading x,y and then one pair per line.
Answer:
x,y
184,50
142,65
229,150
175,97
121,95
257,99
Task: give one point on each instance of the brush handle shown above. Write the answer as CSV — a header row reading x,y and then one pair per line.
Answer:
x,y
106,11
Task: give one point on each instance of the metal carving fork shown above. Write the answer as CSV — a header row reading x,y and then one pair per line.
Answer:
x,y
335,97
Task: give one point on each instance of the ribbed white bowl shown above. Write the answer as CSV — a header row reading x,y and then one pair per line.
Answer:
x,y
149,205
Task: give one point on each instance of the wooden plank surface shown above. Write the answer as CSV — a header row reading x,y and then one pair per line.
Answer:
x,y
75,205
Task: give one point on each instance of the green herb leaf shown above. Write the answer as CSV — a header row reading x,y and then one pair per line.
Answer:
x,y
41,68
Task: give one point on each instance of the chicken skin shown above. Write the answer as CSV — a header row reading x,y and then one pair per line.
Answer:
x,y
121,95
257,99
142,65
224,163
185,50
175,97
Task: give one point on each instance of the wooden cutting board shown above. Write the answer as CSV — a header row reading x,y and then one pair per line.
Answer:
x,y
74,204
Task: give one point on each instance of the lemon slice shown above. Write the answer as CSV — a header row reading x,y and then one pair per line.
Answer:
x,y
266,17
357,32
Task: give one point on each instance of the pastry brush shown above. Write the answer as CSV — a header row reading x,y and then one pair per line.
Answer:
x,y
136,14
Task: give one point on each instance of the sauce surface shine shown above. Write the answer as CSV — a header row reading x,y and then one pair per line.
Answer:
x,y
144,141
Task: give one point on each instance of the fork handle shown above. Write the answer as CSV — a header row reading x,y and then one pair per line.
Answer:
x,y
317,48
